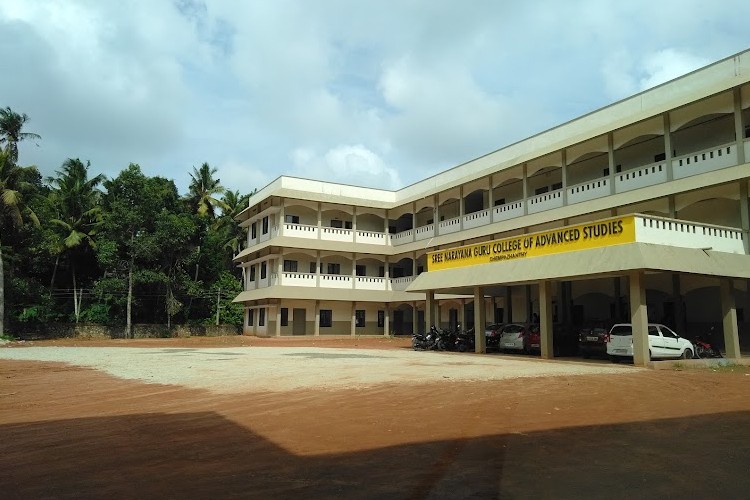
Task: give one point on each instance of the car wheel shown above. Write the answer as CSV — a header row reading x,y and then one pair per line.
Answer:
x,y
614,359
688,354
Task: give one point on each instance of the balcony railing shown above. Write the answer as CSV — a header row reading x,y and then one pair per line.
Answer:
x,y
684,234
708,160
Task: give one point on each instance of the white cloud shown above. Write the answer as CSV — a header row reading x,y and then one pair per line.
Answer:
x,y
346,164
668,64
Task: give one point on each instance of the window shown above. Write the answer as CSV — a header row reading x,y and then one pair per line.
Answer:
x,y
359,317
290,266
618,169
660,157
541,190
251,317
263,269
381,271
265,225
284,316
361,270
252,273
334,268
254,230
291,219
499,202
262,317
341,224
605,172
557,185
312,268
326,317
381,319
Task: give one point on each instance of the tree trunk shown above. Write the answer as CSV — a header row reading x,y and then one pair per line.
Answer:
x,y
76,311
129,327
2,293
54,273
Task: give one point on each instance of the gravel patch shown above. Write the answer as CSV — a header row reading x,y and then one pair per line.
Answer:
x,y
266,369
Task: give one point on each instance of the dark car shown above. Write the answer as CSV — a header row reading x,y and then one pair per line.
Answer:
x,y
492,335
564,342
592,339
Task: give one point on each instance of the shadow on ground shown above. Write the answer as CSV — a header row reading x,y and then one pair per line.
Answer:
x,y
203,455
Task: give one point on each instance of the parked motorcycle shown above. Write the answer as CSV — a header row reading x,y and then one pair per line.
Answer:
x,y
465,341
446,339
704,349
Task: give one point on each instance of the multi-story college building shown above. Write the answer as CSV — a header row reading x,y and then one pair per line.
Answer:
x,y
635,212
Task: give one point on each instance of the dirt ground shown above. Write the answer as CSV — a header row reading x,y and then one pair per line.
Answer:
x,y
71,432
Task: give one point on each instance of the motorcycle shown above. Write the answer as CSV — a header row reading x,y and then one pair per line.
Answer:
x,y
465,341
703,349
446,339
426,341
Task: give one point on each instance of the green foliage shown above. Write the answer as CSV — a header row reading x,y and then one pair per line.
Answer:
x,y
96,313
227,287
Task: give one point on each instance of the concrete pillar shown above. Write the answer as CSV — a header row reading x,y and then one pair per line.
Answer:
x,y
354,270
525,186
679,308
354,224
545,320
668,145
490,195
480,319
745,215
414,263
564,179
278,320
317,318
729,319
414,318
461,208
639,318
353,328
435,215
739,129
508,304
387,320
282,216
317,268
320,220
414,221
611,161
429,305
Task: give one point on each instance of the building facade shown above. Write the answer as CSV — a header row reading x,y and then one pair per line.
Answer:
x,y
330,259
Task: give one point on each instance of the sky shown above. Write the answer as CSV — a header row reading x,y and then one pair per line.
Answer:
x,y
371,93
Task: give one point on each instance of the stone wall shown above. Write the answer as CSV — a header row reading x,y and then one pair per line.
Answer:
x,y
26,331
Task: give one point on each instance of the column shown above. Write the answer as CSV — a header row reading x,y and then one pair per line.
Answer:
x,y
480,320
729,319
387,320
282,216
461,208
414,318
738,128
679,313
320,220
353,329
508,304
317,318
429,304
414,263
611,161
317,268
278,320
525,185
387,274
354,270
668,146
545,320
414,221
564,171
491,196
354,224
435,215
639,318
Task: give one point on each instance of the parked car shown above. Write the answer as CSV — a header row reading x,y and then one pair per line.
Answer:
x,y
662,342
519,337
492,335
592,339
564,341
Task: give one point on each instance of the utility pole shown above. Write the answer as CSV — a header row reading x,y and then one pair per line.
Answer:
x,y
218,305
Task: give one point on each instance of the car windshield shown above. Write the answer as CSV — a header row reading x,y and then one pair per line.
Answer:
x,y
513,329
621,330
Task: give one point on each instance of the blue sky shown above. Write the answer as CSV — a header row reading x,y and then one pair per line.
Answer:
x,y
374,93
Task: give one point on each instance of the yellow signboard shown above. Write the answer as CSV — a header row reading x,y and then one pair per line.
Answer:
x,y
565,239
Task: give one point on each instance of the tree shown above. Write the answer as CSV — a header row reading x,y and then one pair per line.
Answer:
x,y
14,191
75,198
11,125
203,191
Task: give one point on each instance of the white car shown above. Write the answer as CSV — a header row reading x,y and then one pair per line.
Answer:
x,y
662,342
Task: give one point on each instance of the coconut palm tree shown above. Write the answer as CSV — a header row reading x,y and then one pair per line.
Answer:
x,y
234,203
11,125
13,209
75,198
203,191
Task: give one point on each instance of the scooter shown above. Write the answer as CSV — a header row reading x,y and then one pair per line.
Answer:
x,y
465,341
